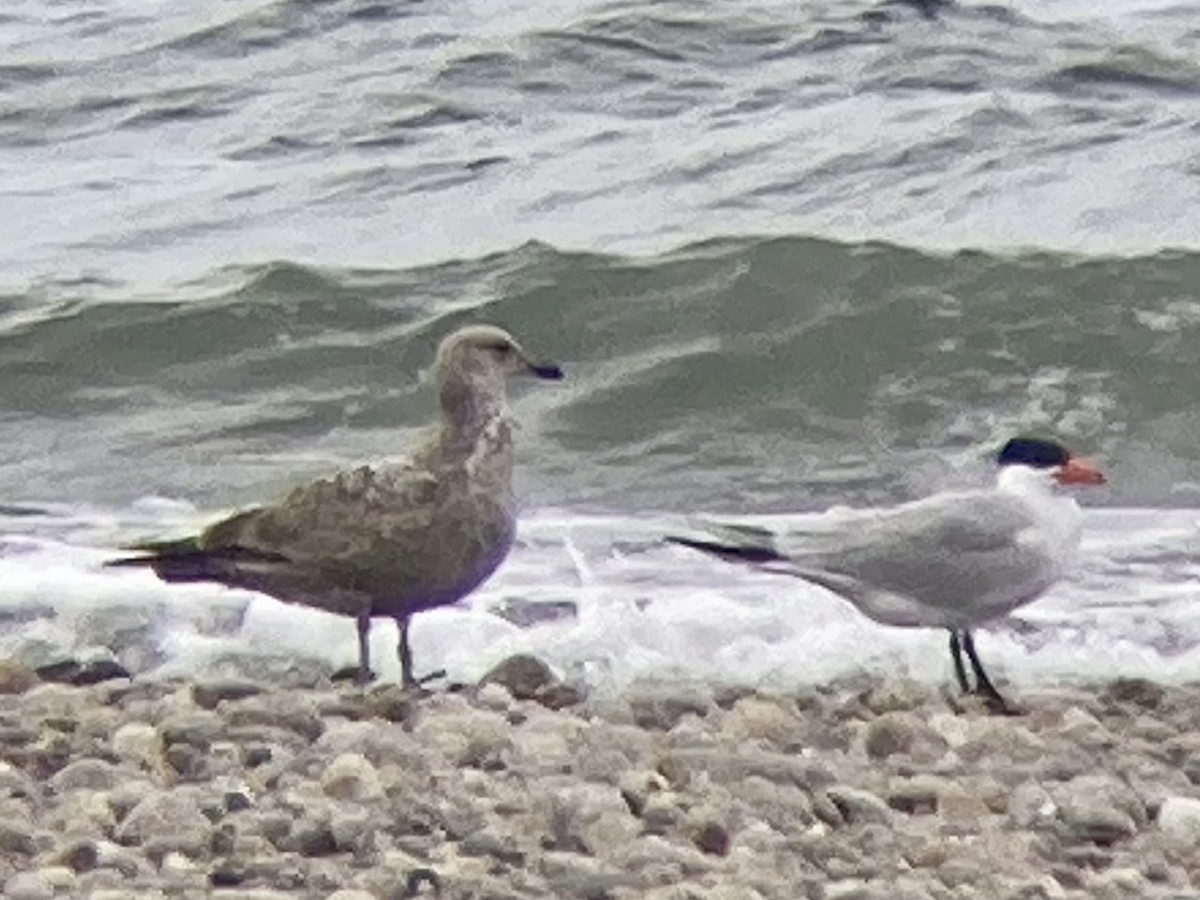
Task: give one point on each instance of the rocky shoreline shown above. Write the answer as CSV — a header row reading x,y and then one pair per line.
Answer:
x,y
523,787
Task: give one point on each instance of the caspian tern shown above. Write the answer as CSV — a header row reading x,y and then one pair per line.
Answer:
x,y
953,560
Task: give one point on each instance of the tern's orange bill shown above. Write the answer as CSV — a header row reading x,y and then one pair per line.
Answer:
x,y
1080,471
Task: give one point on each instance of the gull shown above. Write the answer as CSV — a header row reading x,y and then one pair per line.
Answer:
x,y
393,540
953,560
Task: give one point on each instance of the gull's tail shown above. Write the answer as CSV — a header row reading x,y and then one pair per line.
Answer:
x,y
184,561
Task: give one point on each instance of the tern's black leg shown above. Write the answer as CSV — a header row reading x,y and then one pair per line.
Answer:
x,y
983,684
959,669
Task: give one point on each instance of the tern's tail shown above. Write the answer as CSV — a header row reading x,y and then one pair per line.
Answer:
x,y
745,553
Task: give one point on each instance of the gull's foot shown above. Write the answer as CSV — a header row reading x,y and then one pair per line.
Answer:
x,y
432,676
353,674
416,686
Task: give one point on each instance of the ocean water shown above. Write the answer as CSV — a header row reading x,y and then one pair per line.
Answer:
x,y
792,256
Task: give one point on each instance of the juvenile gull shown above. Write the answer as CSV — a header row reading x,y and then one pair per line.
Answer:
x,y
954,560
388,541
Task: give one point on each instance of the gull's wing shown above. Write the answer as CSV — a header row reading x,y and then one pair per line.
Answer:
x,y
350,530
336,521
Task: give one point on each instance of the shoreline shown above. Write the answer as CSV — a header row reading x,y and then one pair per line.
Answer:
x,y
668,791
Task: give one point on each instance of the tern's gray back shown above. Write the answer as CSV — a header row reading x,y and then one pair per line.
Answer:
x,y
932,552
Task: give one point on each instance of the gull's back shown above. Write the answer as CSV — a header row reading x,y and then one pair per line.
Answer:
x,y
402,537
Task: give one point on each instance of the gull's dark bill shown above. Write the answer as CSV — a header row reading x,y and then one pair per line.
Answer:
x,y
549,371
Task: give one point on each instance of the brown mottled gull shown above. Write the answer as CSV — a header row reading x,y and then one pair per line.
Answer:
x,y
387,541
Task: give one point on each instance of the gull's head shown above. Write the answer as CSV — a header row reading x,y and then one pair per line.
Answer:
x,y
1047,459
482,357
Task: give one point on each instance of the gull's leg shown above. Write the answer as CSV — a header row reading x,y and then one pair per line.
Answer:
x,y
959,669
405,653
361,673
363,623
983,684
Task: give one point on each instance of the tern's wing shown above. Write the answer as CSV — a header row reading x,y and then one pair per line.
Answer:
x,y
969,554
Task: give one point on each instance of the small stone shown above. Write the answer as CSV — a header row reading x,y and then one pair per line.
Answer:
x,y
1100,809
1030,803
494,696
92,774
208,694
488,843
1126,880
79,856
661,813
858,806
88,813
662,706
352,831
757,718
175,863
524,676
350,894
288,713
167,821
15,678
1044,888
38,884
315,839
256,755
1082,728
526,613
902,732
1135,691
391,703
17,839
637,785
276,827
528,678
681,767
15,783
229,873
711,838
82,673
1179,820
585,817
190,763
17,735
849,889
959,807
137,742
237,801
914,796
352,777
196,729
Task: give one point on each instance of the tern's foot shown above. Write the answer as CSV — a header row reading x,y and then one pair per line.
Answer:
x,y
998,706
353,674
994,702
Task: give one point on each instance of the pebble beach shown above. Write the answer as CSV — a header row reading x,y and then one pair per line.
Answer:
x,y
521,786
